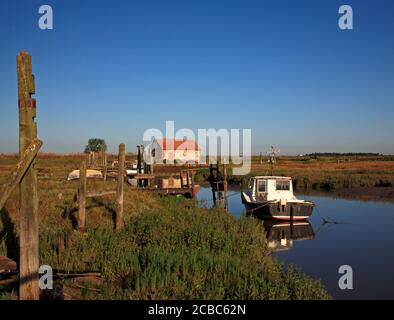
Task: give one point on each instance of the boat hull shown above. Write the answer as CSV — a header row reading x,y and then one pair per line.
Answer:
x,y
274,210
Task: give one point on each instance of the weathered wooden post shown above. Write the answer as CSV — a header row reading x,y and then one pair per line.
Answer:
x,y
142,157
19,172
181,176
192,183
119,221
212,181
225,186
82,197
28,259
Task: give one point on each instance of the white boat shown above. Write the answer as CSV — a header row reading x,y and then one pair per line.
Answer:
x,y
133,171
272,197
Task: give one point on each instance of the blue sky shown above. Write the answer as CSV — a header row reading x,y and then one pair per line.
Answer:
x,y
113,69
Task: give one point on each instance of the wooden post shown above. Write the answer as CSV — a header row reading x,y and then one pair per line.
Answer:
x,y
142,158
18,173
119,221
28,259
82,197
152,161
219,194
192,182
212,180
181,176
225,186
28,264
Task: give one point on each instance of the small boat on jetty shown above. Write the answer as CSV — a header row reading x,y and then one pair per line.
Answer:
x,y
272,197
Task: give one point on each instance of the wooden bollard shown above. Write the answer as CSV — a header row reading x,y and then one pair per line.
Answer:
x,y
119,221
82,197
28,239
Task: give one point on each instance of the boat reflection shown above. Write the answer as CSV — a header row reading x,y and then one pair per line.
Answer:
x,y
281,235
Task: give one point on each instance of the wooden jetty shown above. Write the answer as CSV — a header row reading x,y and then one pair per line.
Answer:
x,y
175,182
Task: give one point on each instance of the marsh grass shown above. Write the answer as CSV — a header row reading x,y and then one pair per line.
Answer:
x,y
169,248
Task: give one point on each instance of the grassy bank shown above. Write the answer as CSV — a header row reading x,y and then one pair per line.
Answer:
x,y
375,174
169,249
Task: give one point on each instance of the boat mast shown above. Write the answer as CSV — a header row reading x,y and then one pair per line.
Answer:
x,y
272,159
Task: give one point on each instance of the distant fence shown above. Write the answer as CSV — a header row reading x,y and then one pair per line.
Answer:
x,y
82,193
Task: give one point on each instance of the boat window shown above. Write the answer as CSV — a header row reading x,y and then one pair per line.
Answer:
x,y
282,185
261,186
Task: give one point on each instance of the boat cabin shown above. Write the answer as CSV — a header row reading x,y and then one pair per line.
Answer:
x,y
271,188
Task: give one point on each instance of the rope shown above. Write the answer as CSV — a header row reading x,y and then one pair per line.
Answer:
x,y
325,220
259,207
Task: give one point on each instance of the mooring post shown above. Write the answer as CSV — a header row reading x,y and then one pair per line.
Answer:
x,y
192,182
142,158
219,194
119,221
225,186
28,239
212,180
82,197
181,176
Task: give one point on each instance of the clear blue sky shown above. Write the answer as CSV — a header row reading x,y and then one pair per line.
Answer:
x,y
112,69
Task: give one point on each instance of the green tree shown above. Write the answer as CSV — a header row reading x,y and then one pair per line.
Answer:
x,y
95,145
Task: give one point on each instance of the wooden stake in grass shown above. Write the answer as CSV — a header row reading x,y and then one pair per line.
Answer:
x,y
82,197
119,221
28,259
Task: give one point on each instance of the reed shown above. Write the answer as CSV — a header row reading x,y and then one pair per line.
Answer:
x,y
168,249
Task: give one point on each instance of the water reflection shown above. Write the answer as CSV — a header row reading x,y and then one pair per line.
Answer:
x,y
356,241
281,235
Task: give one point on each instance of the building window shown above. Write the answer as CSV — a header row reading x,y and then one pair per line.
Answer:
x,y
283,185
261,186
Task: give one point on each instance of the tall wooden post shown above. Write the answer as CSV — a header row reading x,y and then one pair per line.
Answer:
x,y
28,256
192,182
82,197
212,180
225,186
119,221
142,157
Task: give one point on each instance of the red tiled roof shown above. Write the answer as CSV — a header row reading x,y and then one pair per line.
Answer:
x,y
178,144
